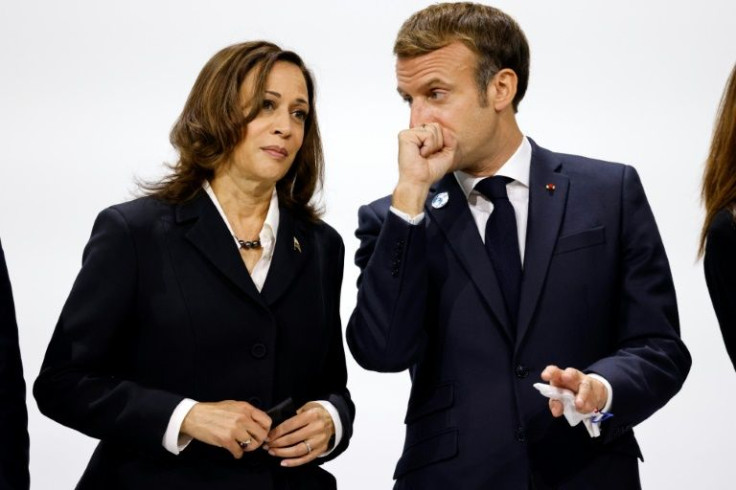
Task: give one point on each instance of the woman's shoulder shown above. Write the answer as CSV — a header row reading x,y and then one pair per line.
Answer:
x,y
721,238
326,232
141,211
321,233
723,224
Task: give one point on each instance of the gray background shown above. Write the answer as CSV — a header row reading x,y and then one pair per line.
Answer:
x,y
89,91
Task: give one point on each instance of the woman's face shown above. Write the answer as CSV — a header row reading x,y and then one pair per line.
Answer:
x,y
274,137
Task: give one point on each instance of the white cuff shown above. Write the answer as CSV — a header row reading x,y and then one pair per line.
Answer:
x,y
335,421
609,389
406,217
173,441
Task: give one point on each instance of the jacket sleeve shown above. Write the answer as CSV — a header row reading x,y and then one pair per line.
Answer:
x,y
334,368
650,362
386,331
13,415
85,381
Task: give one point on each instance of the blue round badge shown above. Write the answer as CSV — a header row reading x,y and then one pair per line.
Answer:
x,y
440,200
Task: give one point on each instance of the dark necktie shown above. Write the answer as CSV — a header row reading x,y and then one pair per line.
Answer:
x,y
502,242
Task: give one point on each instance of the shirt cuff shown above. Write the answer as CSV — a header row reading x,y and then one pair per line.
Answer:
x,y
335,421
173,441
609,389
406,217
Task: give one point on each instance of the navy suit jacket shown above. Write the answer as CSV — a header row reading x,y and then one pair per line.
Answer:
x,y
163,308
13,414
597,295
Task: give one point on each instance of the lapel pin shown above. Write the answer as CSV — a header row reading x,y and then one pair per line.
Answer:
x,y
297,247
440,200
550,188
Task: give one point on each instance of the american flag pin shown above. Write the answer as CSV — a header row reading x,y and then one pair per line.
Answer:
x,y
297,247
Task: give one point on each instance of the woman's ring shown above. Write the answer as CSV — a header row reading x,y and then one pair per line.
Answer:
x,y
309,448
244,444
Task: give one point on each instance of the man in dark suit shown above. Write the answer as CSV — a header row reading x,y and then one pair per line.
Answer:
x,y
496,263
13,415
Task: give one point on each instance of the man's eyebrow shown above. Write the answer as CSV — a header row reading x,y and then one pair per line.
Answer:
x,y
435,81
424,86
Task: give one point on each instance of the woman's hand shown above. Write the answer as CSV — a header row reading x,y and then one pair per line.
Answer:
x,y
236,426
303,437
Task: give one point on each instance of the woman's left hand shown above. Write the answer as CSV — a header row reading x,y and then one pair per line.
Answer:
x,y
301,438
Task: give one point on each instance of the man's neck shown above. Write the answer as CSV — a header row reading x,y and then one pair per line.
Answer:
x,y
506,141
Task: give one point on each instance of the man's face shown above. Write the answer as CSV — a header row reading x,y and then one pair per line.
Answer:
x,y
440,88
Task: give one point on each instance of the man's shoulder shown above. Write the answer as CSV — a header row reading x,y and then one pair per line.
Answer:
x,y
576,166
573,163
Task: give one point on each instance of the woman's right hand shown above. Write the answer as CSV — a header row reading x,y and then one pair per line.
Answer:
x,y
236,426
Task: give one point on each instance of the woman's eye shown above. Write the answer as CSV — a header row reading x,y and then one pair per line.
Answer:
x,y
301,115
268,104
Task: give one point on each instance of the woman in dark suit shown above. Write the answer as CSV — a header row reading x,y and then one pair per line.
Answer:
x,y
207,309
718,237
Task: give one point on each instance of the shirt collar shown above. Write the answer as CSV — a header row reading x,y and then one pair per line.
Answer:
x,y
517,167
270,225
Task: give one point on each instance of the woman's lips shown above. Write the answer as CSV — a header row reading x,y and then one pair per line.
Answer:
x,y
275,151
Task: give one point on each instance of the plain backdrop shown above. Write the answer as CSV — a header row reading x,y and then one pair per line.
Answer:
x,y
89,91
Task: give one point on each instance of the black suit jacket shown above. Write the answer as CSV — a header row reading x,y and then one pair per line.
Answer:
x,y
720,275
163,308
596,294
13,415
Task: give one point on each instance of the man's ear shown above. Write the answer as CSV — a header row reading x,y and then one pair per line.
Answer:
x,y
502,89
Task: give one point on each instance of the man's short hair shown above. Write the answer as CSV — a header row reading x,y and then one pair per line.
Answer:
x,y
492,35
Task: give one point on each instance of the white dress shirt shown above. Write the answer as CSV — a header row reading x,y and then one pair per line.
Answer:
x,y
518,168
173,440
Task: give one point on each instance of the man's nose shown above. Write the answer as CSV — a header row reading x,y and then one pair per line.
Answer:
x,y
420,114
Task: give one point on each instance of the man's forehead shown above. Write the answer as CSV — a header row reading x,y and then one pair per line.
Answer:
x,y
441,65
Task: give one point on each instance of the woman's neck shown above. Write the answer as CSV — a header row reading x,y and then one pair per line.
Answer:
x,y
244,202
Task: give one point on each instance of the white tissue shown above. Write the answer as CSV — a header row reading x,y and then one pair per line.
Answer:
x,y
567,398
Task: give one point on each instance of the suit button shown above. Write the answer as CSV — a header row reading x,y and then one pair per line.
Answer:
x,y
255,401
258,351
522,371
520,434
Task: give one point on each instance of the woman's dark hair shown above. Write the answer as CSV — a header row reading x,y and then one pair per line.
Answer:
x,y
213,121
719,180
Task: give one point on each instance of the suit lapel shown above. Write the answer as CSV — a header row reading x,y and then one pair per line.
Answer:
x,y
208,233
293,248
548,191
461,233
